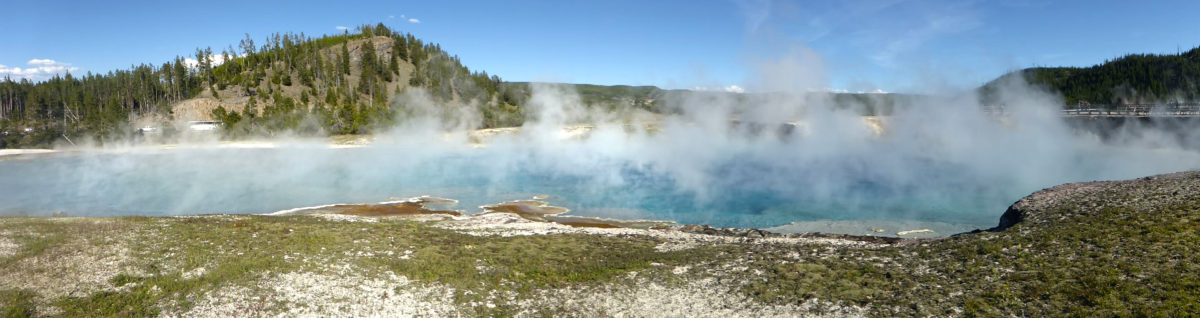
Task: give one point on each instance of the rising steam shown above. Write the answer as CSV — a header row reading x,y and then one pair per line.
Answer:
x,y
784,152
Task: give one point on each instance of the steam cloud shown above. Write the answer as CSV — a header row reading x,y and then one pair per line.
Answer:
x,y
781,154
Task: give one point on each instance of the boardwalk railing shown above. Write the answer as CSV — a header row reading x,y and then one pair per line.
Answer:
x,y
1136,110
1128,110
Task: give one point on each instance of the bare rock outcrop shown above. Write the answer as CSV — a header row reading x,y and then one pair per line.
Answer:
x,y
1044,207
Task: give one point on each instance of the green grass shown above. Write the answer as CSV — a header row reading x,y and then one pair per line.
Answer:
x,y
239,251
38,237
1114,261
1111,260
17,303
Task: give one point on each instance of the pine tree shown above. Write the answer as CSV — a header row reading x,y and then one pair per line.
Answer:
x,y
369,70
345,57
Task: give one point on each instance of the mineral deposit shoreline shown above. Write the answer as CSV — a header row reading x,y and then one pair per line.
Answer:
x,y
1097,248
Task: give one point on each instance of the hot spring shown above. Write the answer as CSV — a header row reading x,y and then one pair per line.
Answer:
x,y
837,169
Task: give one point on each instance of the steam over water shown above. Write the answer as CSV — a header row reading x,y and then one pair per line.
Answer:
x,y
739,193
940,160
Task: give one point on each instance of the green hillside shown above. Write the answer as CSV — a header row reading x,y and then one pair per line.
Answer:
x,y
648,98
347,84
334,84
357,83
1134,78
353,83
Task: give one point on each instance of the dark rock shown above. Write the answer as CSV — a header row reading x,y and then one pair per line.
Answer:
x,y
1011,217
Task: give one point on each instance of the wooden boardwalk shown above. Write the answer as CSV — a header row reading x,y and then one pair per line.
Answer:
x,y
1136,110
1114,111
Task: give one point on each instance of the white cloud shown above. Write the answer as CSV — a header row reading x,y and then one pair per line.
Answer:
x,y
391,17
42,62
738,89
895,30
38,70
917,36
217,60
727,89
341,28
755,12
845,91
414,21
886,33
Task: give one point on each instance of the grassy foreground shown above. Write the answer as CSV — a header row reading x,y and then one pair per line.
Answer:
x,y
1120,248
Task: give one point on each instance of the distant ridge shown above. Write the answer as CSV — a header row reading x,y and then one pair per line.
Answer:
x,y
356,83
1131,79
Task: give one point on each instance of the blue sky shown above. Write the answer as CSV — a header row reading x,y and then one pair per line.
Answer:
x,y
892,45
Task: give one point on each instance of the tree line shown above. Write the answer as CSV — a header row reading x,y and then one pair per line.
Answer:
x,y
346,83
94,103
288,82
1134,78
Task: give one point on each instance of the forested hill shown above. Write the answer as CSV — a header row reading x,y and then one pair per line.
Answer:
x,y
1135,78
334,84
363,81
292,82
